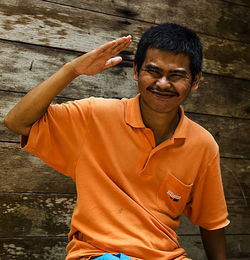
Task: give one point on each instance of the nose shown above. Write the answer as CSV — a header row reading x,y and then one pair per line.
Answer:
x,y
163,83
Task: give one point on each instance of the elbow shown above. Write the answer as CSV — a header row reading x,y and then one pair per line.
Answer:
x,y
7,122
13,127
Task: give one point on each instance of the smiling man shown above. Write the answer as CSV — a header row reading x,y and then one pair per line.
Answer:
x,y
137,163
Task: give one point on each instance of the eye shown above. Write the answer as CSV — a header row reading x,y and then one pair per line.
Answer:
x,y
153,72
176,76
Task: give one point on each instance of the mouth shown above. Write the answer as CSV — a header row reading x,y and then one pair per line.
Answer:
x,y
164,94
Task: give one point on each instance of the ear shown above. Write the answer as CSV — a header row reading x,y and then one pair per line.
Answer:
x,y
135,72
195,83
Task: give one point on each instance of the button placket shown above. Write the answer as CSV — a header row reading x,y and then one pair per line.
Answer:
x,y
150,136
155,150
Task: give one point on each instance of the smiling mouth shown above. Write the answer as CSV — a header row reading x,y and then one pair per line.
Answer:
x,y
167,94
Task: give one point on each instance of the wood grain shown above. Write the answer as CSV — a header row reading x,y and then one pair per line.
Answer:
x,y
27,173
35,214
24,66
237,247
238,2
41,23
218,18
38,36
49,248
230,133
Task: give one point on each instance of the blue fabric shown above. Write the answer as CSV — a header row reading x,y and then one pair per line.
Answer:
x,y
108,256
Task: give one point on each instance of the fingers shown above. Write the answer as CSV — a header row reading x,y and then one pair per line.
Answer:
x,y
114,47
112,62
121,44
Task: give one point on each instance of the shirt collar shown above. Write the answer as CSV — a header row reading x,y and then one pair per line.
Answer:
x,y
133,118
133,113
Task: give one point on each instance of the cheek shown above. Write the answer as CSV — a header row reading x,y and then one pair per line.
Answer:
x,y
184,91
145,81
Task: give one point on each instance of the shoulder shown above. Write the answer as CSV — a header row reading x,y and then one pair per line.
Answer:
x,y
107,108
104,105
200,138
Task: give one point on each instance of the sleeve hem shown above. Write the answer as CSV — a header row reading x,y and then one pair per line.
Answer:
x,y
214,227
26,142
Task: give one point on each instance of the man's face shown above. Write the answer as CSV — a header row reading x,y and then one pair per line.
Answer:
x,y
164,80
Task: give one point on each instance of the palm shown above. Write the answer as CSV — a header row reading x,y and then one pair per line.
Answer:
x,y
101,58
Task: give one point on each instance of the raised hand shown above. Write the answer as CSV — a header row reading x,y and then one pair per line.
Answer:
x,y
101,58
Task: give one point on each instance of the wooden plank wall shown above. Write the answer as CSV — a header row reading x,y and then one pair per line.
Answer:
x,y
37,37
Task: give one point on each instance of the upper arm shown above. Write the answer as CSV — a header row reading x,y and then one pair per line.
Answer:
x,y
214,243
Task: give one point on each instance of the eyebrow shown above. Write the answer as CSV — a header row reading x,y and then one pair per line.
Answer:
x,y
151,66
182,71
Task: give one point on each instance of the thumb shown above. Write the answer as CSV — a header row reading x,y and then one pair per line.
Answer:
x,y
113,61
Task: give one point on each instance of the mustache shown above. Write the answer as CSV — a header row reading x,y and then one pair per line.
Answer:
x,y
163,91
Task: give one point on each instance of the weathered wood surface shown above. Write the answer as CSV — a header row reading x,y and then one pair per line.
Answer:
x,y
25,66
238,2
230,133
218,18
44,23
22,172
237,247
37,202
27,173
235,175
33,214
52,248
49,248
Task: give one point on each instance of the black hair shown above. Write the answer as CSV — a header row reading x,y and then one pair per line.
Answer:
x,y
171,37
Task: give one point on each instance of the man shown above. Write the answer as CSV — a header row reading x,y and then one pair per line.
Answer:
x,y
138,163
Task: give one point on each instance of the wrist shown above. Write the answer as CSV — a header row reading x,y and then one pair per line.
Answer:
x,y
70,69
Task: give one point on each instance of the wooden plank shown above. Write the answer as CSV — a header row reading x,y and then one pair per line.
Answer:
x,y
218,18
237,247
25,66
49,248
220,96
225,130
32,214
41,23
236,178
230,133
52,248
27,173
238,2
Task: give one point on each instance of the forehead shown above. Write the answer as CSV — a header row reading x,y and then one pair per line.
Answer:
x,y
166,59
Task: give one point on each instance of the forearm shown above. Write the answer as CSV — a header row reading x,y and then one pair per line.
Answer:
x,y
214,243
34,104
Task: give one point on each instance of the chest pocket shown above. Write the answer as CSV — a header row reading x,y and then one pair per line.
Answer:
x,y
173,196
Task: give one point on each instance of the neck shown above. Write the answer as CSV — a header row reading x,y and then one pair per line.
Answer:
x,y
163,125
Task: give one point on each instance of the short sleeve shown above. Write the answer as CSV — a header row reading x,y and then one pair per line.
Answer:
x,y
207,207
57,137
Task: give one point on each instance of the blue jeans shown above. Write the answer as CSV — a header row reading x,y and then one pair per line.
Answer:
x,y
108,256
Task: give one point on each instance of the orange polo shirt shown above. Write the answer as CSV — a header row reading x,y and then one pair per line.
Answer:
x,y
130,192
